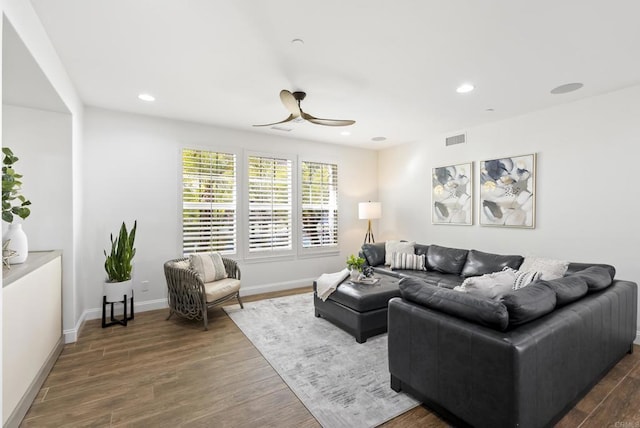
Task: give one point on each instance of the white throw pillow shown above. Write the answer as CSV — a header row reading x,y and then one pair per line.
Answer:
x,y
391,247
490,285
407,261
548,268
523,277
209,265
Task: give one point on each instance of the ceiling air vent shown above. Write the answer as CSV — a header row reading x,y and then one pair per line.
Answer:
x,y
456,139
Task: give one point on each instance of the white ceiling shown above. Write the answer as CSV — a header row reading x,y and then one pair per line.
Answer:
x,y
392,66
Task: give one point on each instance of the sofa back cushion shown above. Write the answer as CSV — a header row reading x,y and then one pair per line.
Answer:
x,y
480,310
446,260
568,289
374,253
479,263
421,249
577,267
597,277
529,303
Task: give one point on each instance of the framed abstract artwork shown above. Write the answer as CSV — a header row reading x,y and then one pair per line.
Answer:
x,y
508,192
452,194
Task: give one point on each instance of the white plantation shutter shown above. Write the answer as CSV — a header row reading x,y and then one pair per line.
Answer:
x,y
270,204
209,209
319,203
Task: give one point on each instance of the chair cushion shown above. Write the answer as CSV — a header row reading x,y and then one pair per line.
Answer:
x,y
446,260
218,289
374,253
479,263
209,266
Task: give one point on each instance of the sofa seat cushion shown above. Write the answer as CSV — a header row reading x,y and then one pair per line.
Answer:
x,y
568,289
365,297
486,312
218,289
374,253
597,277
446,260
480,263
529,303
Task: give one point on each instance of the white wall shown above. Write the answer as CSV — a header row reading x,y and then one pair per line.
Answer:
x,y
588,205
132,170
27,25
42,141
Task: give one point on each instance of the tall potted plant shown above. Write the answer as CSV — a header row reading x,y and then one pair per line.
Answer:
x,y
13,204
119,264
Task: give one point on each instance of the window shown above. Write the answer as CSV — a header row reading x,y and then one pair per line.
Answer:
x,y
209,207
270,205
319,204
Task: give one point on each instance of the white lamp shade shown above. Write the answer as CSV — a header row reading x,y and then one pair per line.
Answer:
x,y
369,210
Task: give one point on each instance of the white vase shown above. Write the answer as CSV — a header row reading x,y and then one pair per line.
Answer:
x,y
19,243
115,291
355,274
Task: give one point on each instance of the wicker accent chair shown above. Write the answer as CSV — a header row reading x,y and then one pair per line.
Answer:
x,y
190,297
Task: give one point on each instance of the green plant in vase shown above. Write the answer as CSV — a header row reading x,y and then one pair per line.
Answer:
x,y
355,265
11,186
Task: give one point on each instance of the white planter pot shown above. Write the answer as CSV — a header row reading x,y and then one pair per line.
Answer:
x,y
19,243
115,291
355,274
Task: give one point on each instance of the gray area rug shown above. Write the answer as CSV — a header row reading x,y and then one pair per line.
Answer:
x,y
341,382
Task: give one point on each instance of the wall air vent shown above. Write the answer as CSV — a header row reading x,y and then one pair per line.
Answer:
x,y
456,139
281,128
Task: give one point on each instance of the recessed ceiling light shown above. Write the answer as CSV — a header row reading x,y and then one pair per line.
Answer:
x,y
345,133
378,138
146,97
489,109
297,42
464,88
569,87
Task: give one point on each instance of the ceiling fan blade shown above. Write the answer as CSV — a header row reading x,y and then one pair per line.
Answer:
x,y
289,119
290,102
326,122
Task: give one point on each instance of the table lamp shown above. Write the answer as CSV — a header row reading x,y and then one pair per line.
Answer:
x,y
369,211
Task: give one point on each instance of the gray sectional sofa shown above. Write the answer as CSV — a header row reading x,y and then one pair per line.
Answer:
x,y
521,360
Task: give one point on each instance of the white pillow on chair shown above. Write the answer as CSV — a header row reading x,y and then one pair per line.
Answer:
x,y
209,266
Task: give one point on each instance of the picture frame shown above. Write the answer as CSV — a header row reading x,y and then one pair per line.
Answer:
x,y
452,194
508,192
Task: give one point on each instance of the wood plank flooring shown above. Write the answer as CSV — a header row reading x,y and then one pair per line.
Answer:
x,y
157,373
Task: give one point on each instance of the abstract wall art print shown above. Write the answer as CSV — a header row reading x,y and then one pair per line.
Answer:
x,y
452,194
508,191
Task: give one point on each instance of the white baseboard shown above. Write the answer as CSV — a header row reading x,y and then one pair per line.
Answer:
x,y
637,341
71,335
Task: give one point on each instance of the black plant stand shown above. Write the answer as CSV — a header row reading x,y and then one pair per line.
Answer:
x,y
114,321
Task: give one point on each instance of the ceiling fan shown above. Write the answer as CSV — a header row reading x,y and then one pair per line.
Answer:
x,y
291,102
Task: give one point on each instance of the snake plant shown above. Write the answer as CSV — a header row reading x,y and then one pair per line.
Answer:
x,y
119,263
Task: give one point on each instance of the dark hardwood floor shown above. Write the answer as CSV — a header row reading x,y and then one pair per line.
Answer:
x,y
157,373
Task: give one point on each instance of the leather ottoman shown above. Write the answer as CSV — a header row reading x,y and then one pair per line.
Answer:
x,y
359,309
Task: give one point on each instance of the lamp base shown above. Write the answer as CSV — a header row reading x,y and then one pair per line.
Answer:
x,y
368,237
